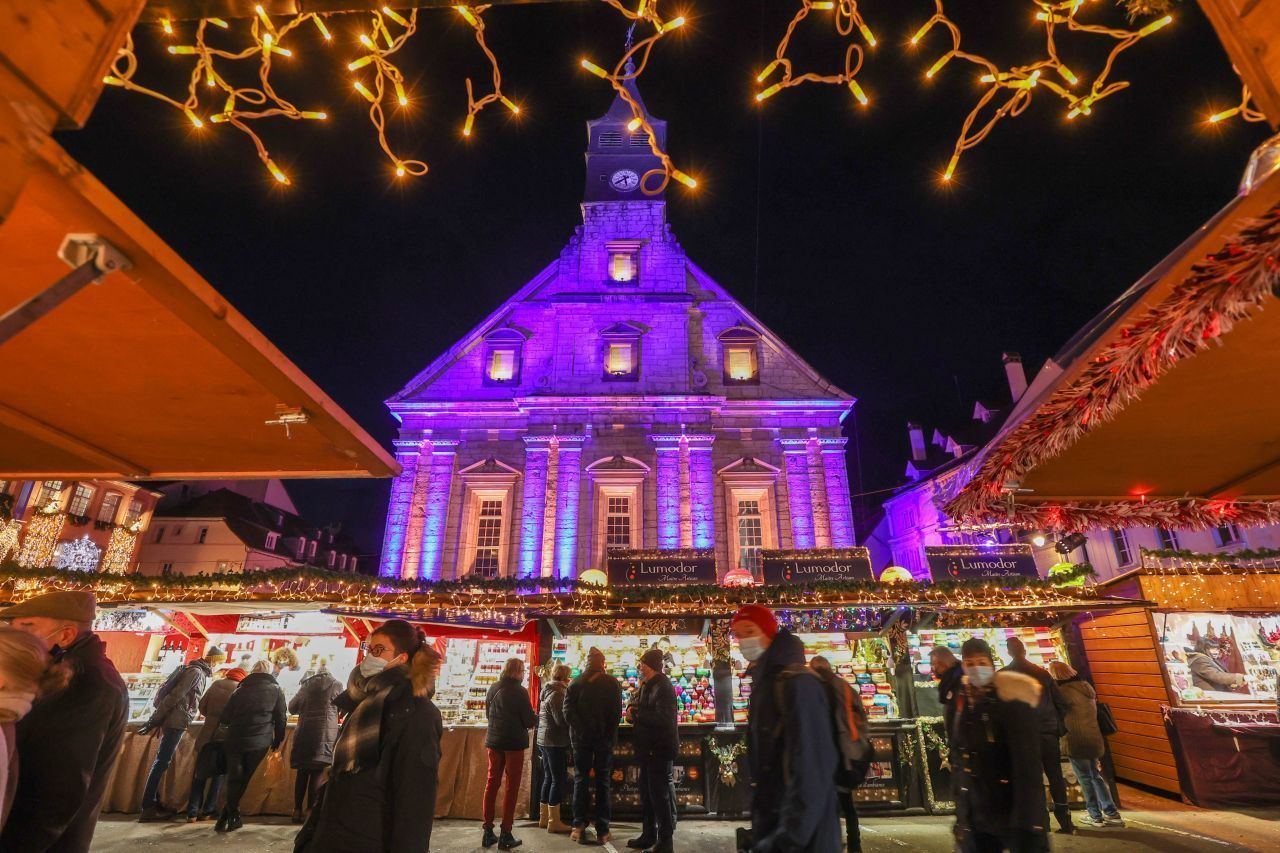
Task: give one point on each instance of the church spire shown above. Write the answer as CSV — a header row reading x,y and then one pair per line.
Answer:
x,y
617,158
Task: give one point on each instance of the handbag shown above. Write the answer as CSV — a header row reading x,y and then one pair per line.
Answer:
x,y
1106,720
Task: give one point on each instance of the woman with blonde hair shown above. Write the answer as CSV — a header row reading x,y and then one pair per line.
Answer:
x,y
510,713
1084,745
553,746
25,674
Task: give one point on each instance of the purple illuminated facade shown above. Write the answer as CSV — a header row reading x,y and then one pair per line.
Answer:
x,y
621,398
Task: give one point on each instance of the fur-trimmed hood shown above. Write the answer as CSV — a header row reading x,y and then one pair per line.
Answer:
x,y
1015,687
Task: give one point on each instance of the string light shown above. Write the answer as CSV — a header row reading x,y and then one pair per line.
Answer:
x,y
474,17
385,71
846,19
1244,109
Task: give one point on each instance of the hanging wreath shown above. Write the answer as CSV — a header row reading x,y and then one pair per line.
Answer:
x,y
727,756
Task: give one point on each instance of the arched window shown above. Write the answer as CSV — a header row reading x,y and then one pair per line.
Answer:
x,y
740,345
502,356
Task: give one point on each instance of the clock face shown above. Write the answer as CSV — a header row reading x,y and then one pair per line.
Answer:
x,y
624,180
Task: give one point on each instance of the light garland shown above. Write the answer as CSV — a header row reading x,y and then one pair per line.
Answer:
x,y
40,538
472,15
119,550
847,19
1244,109
9,542
380,44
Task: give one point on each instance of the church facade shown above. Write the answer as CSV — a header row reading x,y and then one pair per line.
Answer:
x,y
619,399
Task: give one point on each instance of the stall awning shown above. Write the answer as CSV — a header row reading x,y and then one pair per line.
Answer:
x,y
1165,400
149,373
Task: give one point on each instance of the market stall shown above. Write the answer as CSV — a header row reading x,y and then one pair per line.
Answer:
x,y
1192,681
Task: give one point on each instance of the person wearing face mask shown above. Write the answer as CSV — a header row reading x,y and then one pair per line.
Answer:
x,y
1000,803
791,744
70,740
381,791
253,721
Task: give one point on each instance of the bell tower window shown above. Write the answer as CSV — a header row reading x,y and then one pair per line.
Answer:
x,y
624,261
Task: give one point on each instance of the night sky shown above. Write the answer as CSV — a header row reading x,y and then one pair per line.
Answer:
x,y
901,291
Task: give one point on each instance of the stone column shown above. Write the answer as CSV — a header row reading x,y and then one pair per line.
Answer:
x,y
548,555
397,527
568,480
702,507
818,496
839,508
436,510
537,450
796,453
668,487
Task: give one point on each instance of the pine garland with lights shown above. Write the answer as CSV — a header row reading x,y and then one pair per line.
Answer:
x,y
1225,288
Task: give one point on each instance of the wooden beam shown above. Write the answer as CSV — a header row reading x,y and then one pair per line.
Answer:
x,y
169,619
194,621
112,465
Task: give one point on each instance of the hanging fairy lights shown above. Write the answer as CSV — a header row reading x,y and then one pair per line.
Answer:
x,y
846,18
472,15
379,44
1244,109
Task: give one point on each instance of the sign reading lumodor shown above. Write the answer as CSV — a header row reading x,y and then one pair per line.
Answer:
x,y
966,562
839,564
630,568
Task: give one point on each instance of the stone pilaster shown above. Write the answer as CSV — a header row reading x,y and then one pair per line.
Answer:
x,y
395,533
702,509
537,451
436,510
568,480
839,507
818,496
796,453
668,486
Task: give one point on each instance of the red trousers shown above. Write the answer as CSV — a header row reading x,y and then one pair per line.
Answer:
x,y
508,763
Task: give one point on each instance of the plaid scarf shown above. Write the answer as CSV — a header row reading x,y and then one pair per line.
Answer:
x,y
357,746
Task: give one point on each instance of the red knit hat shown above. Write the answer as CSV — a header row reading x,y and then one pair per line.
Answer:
x,y
762,617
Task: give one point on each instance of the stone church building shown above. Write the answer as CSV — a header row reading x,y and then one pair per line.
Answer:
x,y
619,399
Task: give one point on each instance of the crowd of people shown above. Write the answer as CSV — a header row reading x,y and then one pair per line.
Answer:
x,y
366,754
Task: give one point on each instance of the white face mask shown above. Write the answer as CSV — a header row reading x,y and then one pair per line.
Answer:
x,y
752,647
980,676
371,666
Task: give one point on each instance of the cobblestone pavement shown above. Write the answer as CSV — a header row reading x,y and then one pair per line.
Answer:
x,y
1156,825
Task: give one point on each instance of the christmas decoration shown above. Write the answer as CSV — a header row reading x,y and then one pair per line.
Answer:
x,y
78,555
119,549
9,538
1224,289
739,577
727,756
40,537
896,574
594,576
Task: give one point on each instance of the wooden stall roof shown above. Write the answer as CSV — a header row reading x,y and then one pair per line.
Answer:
x,y
150,373
1221,588
1205,428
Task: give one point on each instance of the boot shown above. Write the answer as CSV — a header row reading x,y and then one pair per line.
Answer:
x,y
221,825
489,838
153,814
508,841
663,847
544,815
580,835
234,822
554,823
1063,814
641,843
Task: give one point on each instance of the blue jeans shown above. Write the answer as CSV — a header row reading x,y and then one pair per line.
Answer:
x,y
204,801
597,758
164,755
554,774
1097,794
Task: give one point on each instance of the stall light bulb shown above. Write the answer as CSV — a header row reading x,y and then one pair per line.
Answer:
x,y
324,31
768,69
262,15
395,16
276,173
399,170
594,69
642,8
510,104
112,81
360,63
858,93
674,23
915,39
195,119
467,14
1158,24
867,34
400,95
218,22
770,92
368,96
823,5
367,42
314,115
951,167
687,180
1038,540
937,66
219,118
386,35
1225,114
182,49
468,124
987,78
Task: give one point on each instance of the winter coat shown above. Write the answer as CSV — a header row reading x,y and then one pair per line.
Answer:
x,y
1208,674
255,716
510,715
389,807
1052,710
1083,738
949,687
8,769
998,745
653,714
68,745
792,755
593,709
211,705
317,722
176,707
553,729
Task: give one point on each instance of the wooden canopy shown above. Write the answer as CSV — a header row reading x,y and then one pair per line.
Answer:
x,y
1164,408
149,373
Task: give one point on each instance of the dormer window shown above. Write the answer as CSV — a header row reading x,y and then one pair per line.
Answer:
x,y
624,261
741,347
620,344
503,349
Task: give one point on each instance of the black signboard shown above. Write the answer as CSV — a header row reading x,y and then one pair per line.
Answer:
x,y
674,568
845,564
948,562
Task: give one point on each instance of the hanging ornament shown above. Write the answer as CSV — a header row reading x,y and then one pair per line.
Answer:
x,y
78,555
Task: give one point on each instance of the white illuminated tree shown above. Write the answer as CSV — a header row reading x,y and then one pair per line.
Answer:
x,y
78,555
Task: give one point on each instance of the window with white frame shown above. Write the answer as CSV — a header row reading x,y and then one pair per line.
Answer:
x,y
617,522
80,497
750,511
353,564
50,490
617,498
488,553
108,508
311,548
1227,534
1168,538
750,535
134,514
1120,541
332,558
342,563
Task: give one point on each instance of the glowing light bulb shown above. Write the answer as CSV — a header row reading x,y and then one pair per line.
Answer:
x,y
1067,75
674,23
399,170
195,119
467,14
687,180
642,8
633,125
400,95
468,124
937,66
1038,540
510,104
276,173
218,22
112,81
951,167
314,115
262,15
921,32
858,93
368,96
1225,114
823,5
324,31
209,79
360,63
768,69
867,34
181,49
1158,24
770,92
167,26
594,69
395,16
367,42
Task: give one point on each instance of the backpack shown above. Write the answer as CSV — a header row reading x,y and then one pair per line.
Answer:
x,y
169,683
854,750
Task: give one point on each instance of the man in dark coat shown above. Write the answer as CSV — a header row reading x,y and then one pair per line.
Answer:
x,y
657,742
791,744
593,708
1001,798
313,739
176,703
949,673
70,740
1052,712
254,719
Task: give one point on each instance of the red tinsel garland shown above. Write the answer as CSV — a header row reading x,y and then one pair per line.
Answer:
x,y
1220,291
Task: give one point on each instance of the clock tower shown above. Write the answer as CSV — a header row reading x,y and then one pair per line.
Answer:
x,y
617,158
